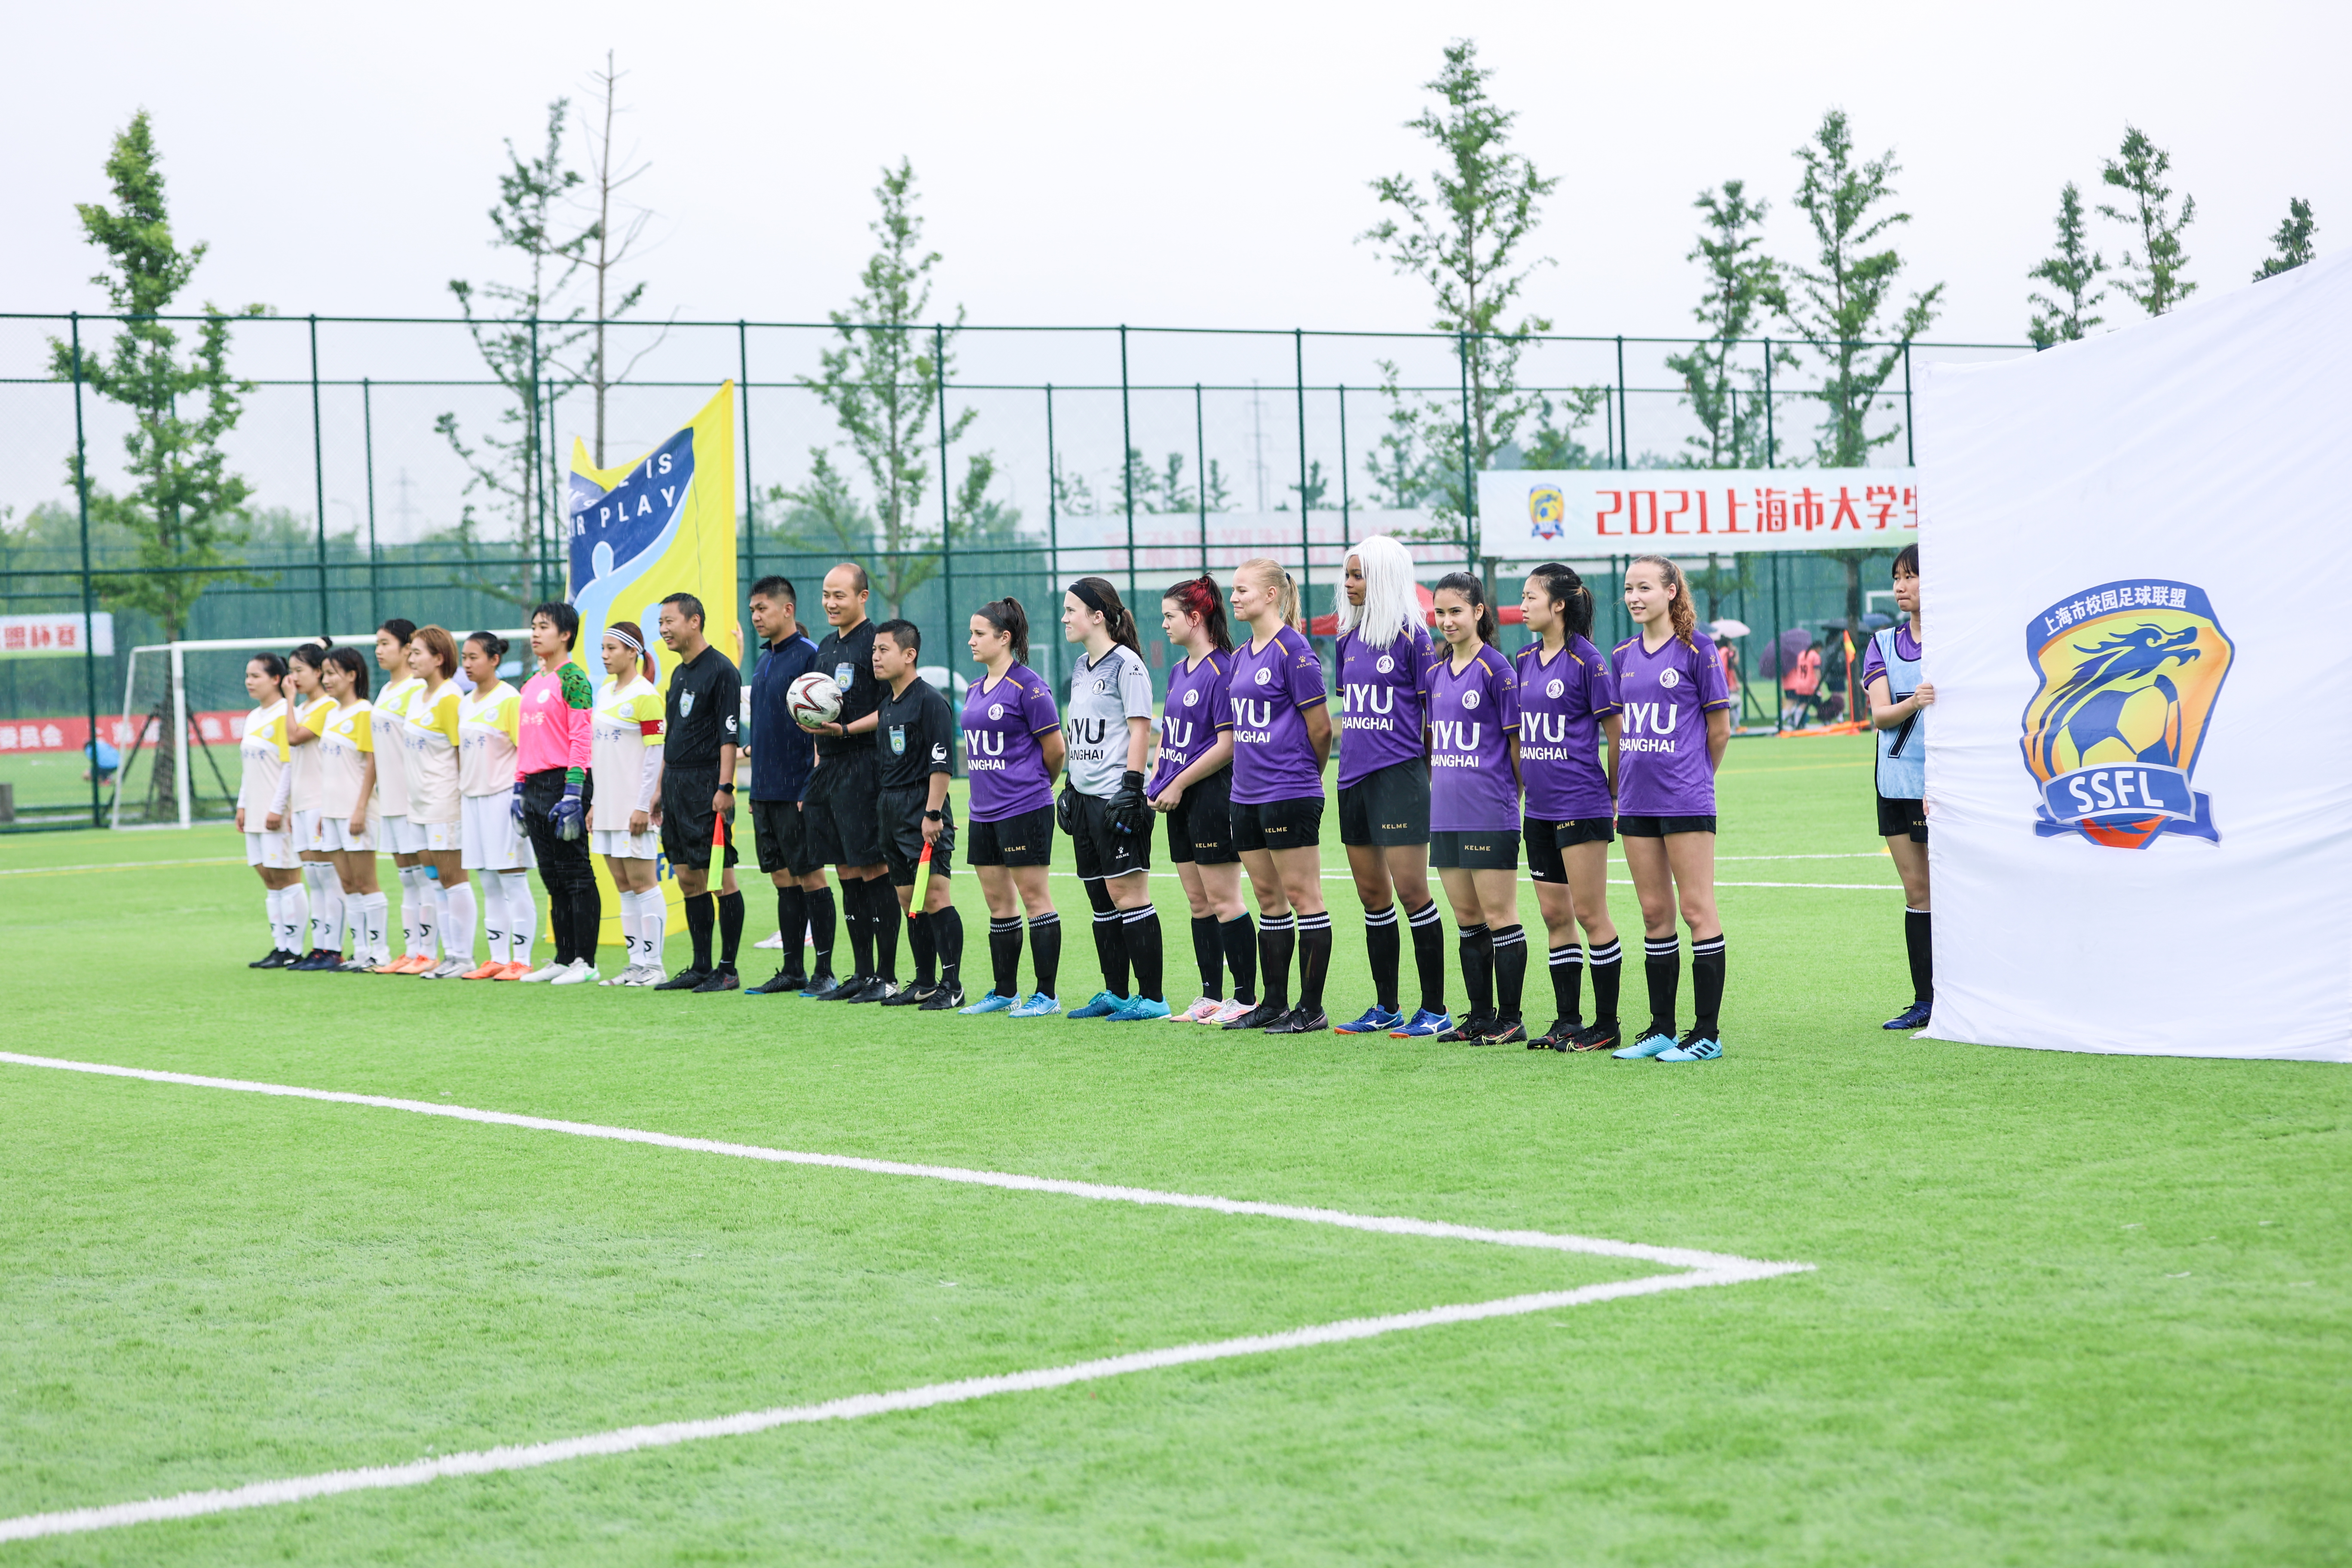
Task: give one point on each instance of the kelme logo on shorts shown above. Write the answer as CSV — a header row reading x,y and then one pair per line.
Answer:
x,y
2130,672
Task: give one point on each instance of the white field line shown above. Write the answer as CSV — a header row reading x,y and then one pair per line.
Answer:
x,y
1706,1269
628,1439
122,865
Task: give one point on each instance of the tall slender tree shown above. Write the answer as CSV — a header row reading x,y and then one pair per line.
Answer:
x,y
1742,283
2291,247
2073,273
1462,236
184,510
525,331
2157,280
618,229
1837,304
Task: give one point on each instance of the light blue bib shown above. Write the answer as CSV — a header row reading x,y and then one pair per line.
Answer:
x,y
1902,750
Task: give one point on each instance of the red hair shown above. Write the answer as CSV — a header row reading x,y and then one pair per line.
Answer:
x,y
1202,599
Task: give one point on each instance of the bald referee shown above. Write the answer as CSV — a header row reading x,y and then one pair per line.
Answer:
x,y
838,811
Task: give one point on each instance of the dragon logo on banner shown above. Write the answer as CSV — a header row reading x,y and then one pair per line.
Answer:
x,y
1546,512
2129,673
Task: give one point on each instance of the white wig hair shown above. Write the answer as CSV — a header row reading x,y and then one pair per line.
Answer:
x,y
1390,608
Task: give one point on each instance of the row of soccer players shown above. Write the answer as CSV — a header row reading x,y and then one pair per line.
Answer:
x,y
1440,742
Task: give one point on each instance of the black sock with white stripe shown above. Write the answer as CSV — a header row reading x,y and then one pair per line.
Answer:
x,y
921,942
1478,968
947,940
1706,985
1510,945
1276,935
1045,949
1662,966
1314,960
1917,942
882,914
792,924
1005,954
1209,956
1429,955
1142,947
1384,945
1239,937
1567,987
1608,964
853,919
821,928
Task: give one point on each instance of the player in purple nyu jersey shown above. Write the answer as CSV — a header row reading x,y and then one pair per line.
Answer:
x,y
1474,810
1385,654
1678,720
1013,748
1568,719
1192,785
1282,737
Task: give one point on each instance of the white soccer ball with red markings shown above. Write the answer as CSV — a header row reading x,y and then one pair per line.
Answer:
x,y
814,699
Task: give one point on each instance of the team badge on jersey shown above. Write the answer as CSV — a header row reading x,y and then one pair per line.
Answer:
x,y
1546,512
2129,673
897,740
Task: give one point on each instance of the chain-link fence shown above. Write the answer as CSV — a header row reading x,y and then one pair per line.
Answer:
x,y
397,470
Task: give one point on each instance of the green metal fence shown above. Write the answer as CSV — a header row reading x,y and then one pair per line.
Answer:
x,y
1130,452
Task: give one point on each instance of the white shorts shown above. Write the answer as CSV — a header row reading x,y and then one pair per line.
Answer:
x,y
402,837
493,841
305,832
274,850
622,845
439,838
335,835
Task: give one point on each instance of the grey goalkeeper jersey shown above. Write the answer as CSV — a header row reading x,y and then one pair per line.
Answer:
x,y
1103,697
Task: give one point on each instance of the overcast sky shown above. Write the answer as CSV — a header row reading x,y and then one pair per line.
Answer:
x,y
1196,164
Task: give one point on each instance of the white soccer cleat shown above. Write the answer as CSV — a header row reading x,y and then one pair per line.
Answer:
x,y
1228,1010
551,971
449,969
1202,1011
644,974
579,972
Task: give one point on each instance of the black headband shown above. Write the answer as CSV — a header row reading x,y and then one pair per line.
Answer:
x,y
1090,598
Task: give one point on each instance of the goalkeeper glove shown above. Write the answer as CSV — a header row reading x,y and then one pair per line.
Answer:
x,y
570,814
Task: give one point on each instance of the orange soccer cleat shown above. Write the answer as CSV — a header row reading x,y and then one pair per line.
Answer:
x,y
491,971
416,963
513,971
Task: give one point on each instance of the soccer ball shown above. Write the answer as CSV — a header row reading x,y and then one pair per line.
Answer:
x,y
2112,727
813,700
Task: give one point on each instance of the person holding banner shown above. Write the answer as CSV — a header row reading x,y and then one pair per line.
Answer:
x,y
556,788
1678,720
701,723
1901,722
913,819
839,812
627,757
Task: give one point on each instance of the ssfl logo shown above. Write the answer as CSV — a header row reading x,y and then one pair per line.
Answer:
x,y
2129,673
1546,512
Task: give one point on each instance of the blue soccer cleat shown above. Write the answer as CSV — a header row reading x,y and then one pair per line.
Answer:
x,y
992,1003
1914,1016
1654,1041
1376,1020
1694,1048
1424,1025
1101,1006
1138,1010
1036,1005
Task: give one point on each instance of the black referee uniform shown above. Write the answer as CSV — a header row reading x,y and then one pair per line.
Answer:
x,y
837,813
705,705
916,738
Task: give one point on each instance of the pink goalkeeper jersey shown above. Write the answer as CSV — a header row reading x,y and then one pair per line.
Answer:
x,y
555,724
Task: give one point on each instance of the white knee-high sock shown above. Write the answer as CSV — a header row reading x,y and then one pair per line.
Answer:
x,y
408,910
628,901
653,924
491,899
293,915
314,935
458,922
374,942
430,907
269,901
522,915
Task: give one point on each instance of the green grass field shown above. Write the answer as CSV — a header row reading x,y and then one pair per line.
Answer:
x,y
2064,1308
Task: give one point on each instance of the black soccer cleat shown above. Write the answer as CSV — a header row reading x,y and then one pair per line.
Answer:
x,y
825,988
1605,1035
876,989
943,999
1264,1016
1513,1032
275,958
1299,1021
914,995
777,984
1472,1030
723,978
688,979
1555,1039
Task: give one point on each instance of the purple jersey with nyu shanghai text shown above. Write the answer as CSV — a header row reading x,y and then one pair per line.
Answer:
x,y
1195,711
1387,690
1269,689
1561,704
1001,724
1661,766
1472,714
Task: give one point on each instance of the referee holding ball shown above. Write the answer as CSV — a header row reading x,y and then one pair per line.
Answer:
x,y
697,790
838,811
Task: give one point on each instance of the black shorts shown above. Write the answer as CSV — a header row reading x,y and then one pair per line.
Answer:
x,y
1487,849
1027,839
1897,817
1545,840
1659,826
780,833
1387,806
1101,849
898,824
838,814
1294,824
1200,826
686,818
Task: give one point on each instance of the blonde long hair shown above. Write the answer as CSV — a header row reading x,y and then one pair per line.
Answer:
x,y
1679,612
1389,610
1268,573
